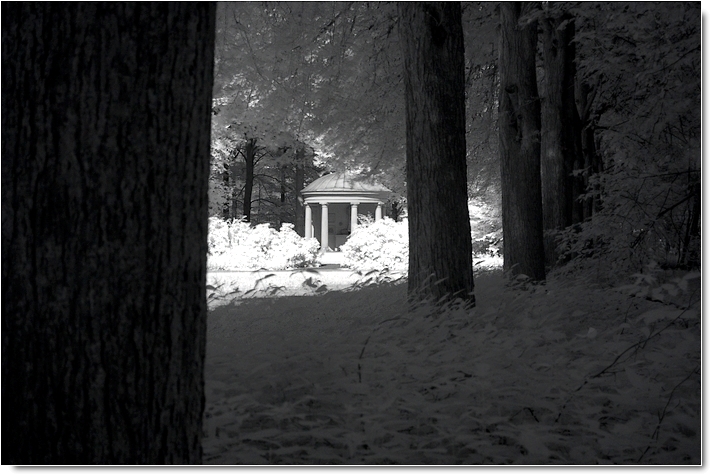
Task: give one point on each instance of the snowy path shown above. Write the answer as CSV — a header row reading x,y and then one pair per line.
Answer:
x,y
354,378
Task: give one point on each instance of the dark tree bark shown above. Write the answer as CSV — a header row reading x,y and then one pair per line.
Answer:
x,y
687,256
228,204
561,131
587,158
439,228
105,162
519,145
249,154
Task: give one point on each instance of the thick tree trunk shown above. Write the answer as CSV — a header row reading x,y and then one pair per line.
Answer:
x,y
249,159
439,228
519,145
105,164
560,129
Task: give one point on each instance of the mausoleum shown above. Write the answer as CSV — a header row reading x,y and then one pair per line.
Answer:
x,y
333,202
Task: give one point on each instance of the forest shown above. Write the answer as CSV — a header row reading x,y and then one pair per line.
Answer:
x,y
533,297
318,87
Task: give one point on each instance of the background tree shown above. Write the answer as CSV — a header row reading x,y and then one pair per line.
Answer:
x,y
439,229
254,168
638,90
560,125
105,158
341,63
327,73
519,144
258,108
275,64
331,74
480,20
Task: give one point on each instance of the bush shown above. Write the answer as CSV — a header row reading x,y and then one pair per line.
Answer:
x,y
378,245
488,245
236,245
385,244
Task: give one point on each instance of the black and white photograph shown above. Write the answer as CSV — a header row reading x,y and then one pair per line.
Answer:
x,y
366,234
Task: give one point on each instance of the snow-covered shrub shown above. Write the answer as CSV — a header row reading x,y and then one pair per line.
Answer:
x,y
489,244
385,244
219,235
290,250
235,245
378,245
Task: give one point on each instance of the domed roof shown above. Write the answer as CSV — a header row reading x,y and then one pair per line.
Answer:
x,y
343,183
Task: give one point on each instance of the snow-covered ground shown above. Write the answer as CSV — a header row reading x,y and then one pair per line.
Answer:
x,y
233,287
561,373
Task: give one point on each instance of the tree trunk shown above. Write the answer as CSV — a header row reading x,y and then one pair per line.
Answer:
x,y
560,129
228,204
439,228
587,158
249,159
519,145
687,257
105,165
300,172
283,213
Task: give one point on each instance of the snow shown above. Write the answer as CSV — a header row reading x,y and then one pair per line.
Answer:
x,y
561,373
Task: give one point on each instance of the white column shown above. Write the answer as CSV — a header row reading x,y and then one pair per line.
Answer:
x,y
309,223
353,217
324,227
378,212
